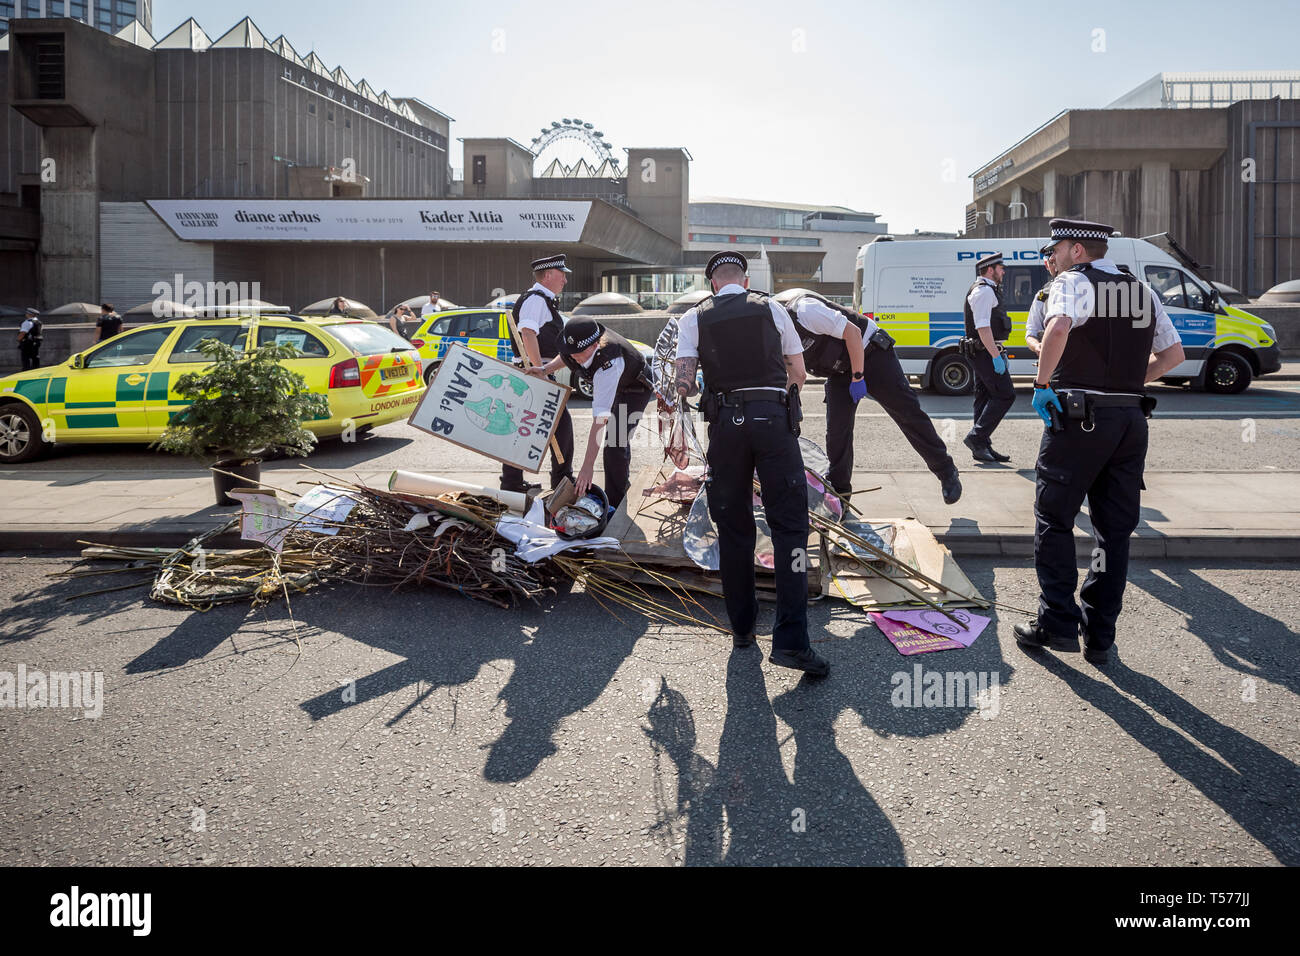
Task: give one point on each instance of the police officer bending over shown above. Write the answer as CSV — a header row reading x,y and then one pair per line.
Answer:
x,y
541,327
620,388
987,326
752,360
833,345
1103,327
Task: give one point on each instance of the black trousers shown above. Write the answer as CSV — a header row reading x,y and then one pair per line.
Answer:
x,y
888,385
994,397
745,439
31,357
626,414
1105,466
512,478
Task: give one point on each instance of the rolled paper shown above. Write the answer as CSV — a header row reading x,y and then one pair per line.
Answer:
x,y
431,486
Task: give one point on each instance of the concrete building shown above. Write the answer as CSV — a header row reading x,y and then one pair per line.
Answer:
x,y
811,246
1171,156
107,15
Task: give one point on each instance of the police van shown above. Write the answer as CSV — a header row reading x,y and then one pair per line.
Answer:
x,y
916,290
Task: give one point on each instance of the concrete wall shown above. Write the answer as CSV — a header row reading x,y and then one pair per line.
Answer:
x,y
659,189
509,169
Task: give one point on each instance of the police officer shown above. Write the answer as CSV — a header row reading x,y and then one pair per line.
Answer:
x,y
620,388
541,328
751,355
30,335
987,327
857,357
1037,317
1107,336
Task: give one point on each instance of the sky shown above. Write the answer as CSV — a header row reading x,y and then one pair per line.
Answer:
x,y
885,107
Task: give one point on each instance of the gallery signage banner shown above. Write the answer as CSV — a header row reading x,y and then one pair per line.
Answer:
x,y
373,220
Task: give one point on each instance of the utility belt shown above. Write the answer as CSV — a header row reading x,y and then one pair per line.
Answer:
x,y
712,404
1079,406
879,341
970,347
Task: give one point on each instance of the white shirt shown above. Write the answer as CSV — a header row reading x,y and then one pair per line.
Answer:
x,y
1072,295
982,299
26,326
820,319
604,386
430,308
688,328
533,314
1037,317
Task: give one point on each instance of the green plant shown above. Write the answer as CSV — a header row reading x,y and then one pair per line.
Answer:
x,y
242,405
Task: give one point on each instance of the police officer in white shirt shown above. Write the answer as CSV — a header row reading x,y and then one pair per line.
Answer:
x,y
541,328
620,387
752,360
31,333
1037,317
1107,336
857,357
987,327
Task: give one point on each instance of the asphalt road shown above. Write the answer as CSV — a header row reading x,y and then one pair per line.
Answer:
x,y
562,735
1192,431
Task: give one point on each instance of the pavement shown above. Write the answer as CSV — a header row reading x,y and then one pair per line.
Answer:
x,y
369,728
1184,514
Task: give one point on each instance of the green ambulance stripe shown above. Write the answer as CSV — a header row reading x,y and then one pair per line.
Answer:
x,y
157,391
126,392
57,388
33,389
92,421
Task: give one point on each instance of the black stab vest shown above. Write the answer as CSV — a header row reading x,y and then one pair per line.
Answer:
x,y
740,346
1109,352
613,347
825,354
999,321
551,332
36,334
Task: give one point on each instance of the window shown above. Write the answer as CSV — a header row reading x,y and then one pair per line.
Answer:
x,y
440,326
1019,285
186,349
478,325
329,115
347,122
1177,289
365,338
134,348
298,337
56,8
311,107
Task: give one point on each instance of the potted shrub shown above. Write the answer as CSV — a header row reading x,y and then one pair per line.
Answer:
x,y
242,406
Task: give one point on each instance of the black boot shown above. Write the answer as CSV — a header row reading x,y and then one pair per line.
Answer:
x,y
1032,636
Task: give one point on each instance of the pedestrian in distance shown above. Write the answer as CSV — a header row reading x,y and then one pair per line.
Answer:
x,y
31,333
108,324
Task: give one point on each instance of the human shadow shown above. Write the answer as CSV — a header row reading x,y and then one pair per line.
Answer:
x,y
1253,784
1253,644
571,658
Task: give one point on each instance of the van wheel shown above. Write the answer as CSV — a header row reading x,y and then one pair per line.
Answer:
x,y
20,435
1227,373
952,375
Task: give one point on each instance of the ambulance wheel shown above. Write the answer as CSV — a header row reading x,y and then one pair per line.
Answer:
x,y
20,435
430,372
1227,373
952,375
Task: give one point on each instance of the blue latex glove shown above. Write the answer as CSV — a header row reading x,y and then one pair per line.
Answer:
x,y
1043,397
858,389
999,363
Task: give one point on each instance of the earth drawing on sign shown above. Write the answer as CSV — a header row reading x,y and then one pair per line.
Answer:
x,y
497,414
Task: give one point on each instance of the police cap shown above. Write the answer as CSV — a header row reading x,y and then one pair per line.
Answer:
x,y
725,259
580,334
993,260
1079,229
551,262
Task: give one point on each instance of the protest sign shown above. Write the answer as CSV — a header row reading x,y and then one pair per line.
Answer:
x,y
487,406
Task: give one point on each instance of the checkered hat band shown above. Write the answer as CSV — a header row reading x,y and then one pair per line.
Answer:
x,y
728,260
555,262
1080,234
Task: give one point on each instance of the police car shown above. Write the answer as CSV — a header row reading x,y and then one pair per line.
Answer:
x,y
121,390
486,331
915,290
